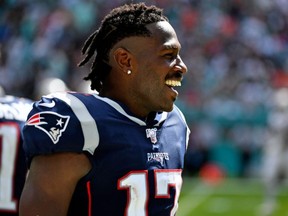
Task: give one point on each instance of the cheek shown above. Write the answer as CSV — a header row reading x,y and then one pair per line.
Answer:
x,y
152,80
144,85
147,85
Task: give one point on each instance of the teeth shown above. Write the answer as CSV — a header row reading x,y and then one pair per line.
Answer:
x,y
173,83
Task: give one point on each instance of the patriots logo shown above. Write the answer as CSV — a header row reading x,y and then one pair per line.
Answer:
x,y
53,124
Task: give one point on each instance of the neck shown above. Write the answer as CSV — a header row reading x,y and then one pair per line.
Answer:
x,y
135,108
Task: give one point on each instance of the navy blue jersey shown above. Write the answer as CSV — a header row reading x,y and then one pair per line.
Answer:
x,y
136,164
13,114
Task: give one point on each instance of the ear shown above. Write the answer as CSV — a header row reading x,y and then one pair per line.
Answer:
x,y
122,58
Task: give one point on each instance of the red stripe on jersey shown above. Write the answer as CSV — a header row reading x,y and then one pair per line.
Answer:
x,y
89,199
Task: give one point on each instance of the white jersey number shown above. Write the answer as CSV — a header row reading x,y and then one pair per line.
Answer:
x,y
136,183
9,141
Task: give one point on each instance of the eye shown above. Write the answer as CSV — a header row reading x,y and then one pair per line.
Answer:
x,y
170,56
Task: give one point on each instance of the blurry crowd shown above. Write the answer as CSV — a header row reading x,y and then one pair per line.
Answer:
x,y
235,50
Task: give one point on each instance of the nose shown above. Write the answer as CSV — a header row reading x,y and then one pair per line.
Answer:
x,y
180,65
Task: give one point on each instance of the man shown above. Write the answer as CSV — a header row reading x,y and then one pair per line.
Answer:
x,y
119,152
275,150
13,114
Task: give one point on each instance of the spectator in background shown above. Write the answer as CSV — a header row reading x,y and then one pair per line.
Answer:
x,y
275,150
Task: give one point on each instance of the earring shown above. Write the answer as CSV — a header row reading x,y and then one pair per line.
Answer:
x,y
129,72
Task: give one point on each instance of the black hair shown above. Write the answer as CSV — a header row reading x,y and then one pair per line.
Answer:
x,y
124,21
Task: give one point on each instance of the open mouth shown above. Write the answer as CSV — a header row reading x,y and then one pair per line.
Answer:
x,y
173,83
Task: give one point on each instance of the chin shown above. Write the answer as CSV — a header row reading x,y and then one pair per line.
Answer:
x,y
167,108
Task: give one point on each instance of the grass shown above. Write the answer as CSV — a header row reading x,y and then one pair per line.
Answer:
x,y
231,197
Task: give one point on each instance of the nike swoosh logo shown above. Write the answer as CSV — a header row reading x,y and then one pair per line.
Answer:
x,y
49,105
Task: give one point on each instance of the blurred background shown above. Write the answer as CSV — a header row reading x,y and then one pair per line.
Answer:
x,y
235,50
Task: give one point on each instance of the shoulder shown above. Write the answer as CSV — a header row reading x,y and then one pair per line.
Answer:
x,y
70,99
65,103
177,113
68,106
61,122
181,118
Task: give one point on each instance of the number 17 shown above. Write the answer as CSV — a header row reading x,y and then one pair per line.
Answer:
x,y
136,184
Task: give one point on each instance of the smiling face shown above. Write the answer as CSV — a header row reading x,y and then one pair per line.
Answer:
x,y
156,70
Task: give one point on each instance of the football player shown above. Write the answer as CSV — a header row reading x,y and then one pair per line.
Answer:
x,y
13,114
120,151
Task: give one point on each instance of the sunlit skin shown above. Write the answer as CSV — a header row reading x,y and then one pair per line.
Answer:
x,y
152,60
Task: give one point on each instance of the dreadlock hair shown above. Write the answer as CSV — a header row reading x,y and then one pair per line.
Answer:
x,y
125,21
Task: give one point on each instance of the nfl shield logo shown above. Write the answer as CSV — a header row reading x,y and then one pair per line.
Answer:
x,y
151,133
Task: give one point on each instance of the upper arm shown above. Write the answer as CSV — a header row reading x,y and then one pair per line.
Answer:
x,y
60,122
51,182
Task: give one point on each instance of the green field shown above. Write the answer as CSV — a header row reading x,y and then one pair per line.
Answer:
x,y
233,197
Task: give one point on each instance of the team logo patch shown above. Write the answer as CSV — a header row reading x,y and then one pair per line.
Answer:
x,y
53,124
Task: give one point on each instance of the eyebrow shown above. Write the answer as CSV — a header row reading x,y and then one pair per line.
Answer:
x,y
171,46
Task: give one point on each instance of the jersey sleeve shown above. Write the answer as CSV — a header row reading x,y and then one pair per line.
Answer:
x,y
59,122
